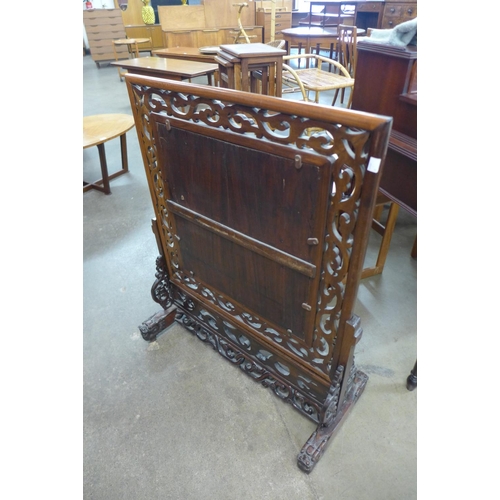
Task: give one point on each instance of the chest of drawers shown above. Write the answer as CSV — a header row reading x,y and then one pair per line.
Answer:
x,y
397,13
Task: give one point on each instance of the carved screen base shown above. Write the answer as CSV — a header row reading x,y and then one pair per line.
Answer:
x,y
232,344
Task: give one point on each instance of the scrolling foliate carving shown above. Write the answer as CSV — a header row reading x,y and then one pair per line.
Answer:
x,y
328,139
161,291
330,406
349,147
155,180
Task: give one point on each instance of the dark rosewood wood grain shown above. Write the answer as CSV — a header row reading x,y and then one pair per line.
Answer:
x,y
263,210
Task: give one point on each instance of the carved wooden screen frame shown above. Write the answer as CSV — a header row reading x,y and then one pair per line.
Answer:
x,y
319,378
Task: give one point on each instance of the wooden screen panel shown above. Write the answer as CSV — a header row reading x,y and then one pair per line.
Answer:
x,y
269,289
244,220
261,195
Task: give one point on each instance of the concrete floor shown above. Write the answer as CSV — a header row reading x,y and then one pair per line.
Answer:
x,y
179,422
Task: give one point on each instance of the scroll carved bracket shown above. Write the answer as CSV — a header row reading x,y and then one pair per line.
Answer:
x,y
161,292
316,445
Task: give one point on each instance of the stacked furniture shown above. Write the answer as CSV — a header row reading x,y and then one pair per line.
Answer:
x,y
252,67
102,27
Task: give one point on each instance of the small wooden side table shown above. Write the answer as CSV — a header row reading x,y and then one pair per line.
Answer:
x,y
132,46
173,69
98,129
188,54
239,62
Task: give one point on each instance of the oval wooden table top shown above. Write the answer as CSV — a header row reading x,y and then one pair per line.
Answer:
x,y
130,41
101,128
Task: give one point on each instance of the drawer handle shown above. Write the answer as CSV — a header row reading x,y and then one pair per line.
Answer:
x,y
410,11
390,23
392,9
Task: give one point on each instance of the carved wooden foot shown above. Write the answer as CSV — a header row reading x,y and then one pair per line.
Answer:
x,y
411,381
313,450
154,325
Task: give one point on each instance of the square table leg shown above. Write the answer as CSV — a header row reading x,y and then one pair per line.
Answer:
x,y
104,168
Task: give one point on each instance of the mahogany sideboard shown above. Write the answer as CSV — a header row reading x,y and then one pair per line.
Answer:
x,y
386,83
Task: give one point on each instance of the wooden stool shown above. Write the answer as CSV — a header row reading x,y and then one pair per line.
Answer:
x,y
241,60
97,130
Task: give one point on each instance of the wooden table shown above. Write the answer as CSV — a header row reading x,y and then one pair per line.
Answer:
x,y
245,64
188,54
304,37
173,69
132,44
97,130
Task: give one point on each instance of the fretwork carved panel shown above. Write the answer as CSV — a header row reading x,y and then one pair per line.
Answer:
x,y
262,211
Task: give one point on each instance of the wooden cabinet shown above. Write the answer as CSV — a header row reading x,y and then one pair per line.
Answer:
x,y
368,14
143,31
181,38
208,37
386,84
102,27
398,12
215,22
283,20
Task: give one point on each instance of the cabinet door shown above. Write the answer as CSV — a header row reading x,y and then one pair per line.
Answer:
x,y
180,39
153,32
139,32
369,15
156,36
210,37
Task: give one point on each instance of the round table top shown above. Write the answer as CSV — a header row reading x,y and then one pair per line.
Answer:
x,y
130,41
101,128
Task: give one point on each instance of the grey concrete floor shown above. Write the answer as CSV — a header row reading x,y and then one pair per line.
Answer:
x,y
179,422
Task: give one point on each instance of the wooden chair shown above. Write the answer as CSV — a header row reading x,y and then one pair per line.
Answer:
x,y
347,55
277,44
314,78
